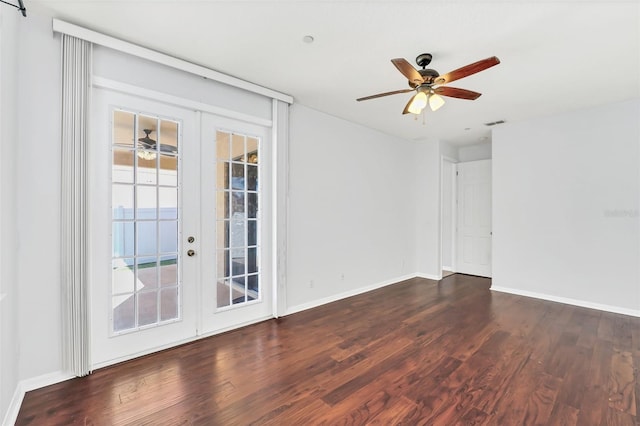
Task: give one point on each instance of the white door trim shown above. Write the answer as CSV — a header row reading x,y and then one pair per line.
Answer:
x,y
443,159
153,95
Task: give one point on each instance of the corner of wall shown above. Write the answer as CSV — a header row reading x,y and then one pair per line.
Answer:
x,y
9,361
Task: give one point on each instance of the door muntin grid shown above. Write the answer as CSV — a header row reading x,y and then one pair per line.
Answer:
x,y
237,219
145,288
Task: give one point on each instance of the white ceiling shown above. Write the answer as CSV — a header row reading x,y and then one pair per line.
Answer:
x,y
555,56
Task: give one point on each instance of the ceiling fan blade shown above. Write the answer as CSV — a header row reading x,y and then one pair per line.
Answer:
x,y
168,148
454,92
406,108
146,145
467,70
379,95
408,71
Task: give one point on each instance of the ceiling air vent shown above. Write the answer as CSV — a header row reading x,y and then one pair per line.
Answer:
x,y
493,123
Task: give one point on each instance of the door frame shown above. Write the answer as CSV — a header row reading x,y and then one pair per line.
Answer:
x,y
454,214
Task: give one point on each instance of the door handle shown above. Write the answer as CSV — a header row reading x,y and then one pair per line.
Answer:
x,y
191,253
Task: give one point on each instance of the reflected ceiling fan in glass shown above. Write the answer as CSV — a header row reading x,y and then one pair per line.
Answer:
x,y
149,147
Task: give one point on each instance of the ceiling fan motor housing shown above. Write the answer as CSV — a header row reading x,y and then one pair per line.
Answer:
x,y
429,76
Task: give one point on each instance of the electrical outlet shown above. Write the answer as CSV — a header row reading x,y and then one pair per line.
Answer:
x,y
311,283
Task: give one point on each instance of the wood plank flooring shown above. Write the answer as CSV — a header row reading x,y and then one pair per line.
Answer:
x,y
418,352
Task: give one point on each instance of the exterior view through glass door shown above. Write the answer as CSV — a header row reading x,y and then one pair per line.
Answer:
x,y
237,266
144,194
180,218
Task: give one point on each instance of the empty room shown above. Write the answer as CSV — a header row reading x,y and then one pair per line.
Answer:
x,y
319,212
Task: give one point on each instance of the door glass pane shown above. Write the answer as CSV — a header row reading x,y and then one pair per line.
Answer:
x,y
145,219
122,168
168,137
124,314
169,236
168,174
122,239
238,147
169,271
146,202
147,238
168,203
168,303
124,124
147,307
223,292
222,175
237,176
252,178
252,232
252,150
222,205
222,233
252,205
123,279
122,201
223,141
237,207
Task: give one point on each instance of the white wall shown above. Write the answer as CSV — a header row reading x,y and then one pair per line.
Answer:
x,y
9,33
427,205
351,208
38,199
122,67
480,151
566,207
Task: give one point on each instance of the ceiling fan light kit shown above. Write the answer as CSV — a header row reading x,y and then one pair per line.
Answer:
x,y
417,103
429,84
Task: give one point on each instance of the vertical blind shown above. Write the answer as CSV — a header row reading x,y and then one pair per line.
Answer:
x,y
76,90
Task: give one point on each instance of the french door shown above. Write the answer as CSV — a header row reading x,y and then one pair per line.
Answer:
x,y
235,265
180,214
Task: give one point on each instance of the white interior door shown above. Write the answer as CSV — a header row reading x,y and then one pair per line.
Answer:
x,y
474,218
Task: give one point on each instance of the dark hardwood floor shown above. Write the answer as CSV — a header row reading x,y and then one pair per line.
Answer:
x,y
417,352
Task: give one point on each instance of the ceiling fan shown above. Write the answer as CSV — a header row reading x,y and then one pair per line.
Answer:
x,y
429,84
149,147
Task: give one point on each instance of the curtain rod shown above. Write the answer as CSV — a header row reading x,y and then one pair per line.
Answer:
x,y
21,7
164,59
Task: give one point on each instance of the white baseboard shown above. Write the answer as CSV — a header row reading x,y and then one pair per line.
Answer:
x,y
199,336
448,268
429,276
568,301
344,295
27,385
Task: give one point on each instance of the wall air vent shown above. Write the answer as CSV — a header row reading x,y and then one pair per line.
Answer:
x,y
493,123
